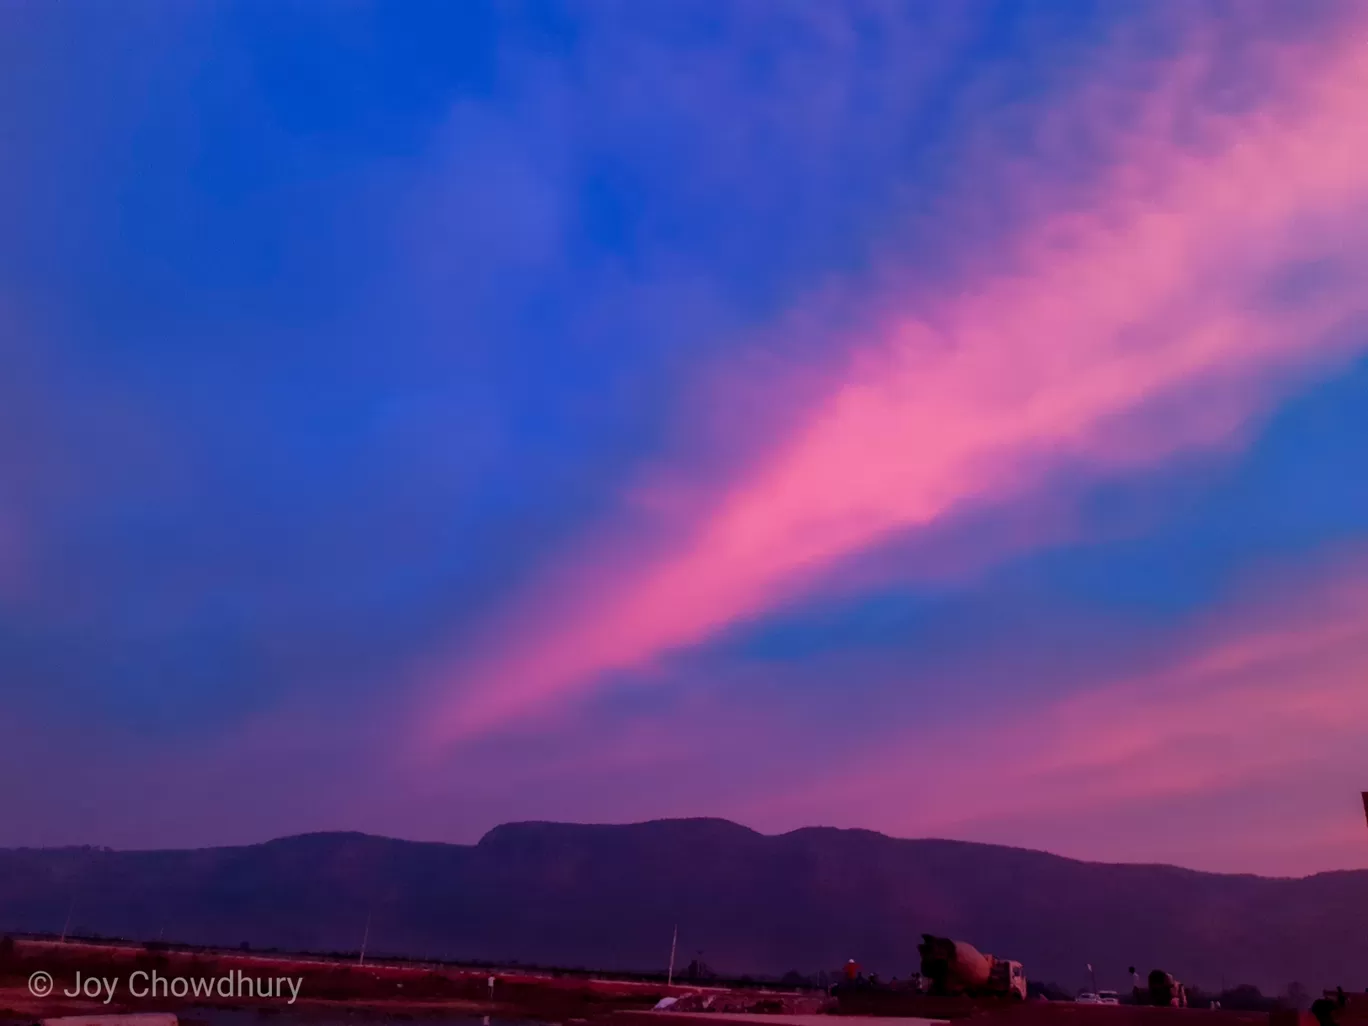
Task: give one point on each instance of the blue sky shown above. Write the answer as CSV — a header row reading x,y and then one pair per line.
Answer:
x,y
522,409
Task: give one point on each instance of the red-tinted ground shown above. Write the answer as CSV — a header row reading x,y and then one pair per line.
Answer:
x,y
379,987
331,986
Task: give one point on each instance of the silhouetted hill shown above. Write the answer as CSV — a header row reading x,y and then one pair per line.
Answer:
x,y
609,896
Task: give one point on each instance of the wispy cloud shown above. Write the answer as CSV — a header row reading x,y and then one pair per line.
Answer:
x,y
1142,322
1268,689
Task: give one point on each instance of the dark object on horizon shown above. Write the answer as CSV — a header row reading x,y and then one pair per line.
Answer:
x,y
1324,1011
698,971
1163,991
609,896
1242,998
1298,997
1047,991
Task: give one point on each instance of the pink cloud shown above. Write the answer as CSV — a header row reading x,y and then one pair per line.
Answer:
x,y
1107,335
1268,701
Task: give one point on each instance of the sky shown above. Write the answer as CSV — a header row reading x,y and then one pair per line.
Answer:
x,y
943,419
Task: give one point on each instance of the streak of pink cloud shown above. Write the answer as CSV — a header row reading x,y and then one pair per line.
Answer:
x,y
1110,336
1270,691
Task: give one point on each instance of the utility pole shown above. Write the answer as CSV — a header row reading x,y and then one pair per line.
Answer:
x,y
67,925
669,980
1093,975
364,937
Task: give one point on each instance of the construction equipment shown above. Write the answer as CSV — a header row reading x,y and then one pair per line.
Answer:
x,y
1162,990
954,967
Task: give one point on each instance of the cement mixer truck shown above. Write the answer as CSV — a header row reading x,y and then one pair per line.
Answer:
x,y
1163,990
954,967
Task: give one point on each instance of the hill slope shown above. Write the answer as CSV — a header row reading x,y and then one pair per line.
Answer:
x,y
608,897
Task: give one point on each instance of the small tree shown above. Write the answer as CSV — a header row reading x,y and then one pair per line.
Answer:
x,y
1296,996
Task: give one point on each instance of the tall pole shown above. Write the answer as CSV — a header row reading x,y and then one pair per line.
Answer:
x,y
1093,975
669,980
364,937
67,925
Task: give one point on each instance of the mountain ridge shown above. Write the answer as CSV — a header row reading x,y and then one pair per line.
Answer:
x,y
816,829
608,896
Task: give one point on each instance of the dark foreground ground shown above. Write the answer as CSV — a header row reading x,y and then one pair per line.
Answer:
x,y
326,987
332,990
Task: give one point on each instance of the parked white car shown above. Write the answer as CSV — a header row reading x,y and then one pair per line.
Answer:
x,y
1088,998
1108,997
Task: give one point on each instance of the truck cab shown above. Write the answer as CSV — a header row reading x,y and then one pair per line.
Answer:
x,y
1009,978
